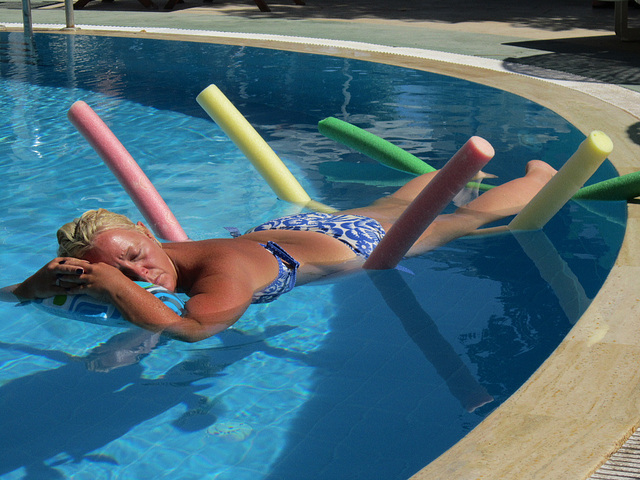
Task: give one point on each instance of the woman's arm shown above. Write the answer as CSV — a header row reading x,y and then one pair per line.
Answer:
x,y
217,304
45,282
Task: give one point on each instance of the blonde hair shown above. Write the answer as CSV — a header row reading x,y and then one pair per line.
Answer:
x,y
76,238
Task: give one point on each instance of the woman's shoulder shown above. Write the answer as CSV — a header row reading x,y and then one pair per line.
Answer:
x,y
225,258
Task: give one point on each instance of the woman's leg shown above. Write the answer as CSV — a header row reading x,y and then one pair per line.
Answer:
x,y
509,198
499,202
387,210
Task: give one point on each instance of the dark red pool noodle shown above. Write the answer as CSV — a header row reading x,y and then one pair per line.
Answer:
x,y
429,203
127,171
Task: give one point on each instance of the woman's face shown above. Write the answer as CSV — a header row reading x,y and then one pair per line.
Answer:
x,y
135,254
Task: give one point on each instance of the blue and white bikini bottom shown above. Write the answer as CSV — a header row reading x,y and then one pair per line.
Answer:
x,y
361,234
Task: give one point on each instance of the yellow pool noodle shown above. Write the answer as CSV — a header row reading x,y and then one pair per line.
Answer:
x,y
253,146
564,184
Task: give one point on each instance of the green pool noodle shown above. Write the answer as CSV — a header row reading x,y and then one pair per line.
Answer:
x,y
377,148
624,187
373,146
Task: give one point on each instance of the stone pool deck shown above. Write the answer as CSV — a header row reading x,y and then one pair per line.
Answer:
x,y
584,402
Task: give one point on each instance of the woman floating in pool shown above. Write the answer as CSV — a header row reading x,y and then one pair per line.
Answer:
x,y
102,254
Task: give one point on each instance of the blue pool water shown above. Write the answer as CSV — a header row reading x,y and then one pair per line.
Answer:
x,y
368,377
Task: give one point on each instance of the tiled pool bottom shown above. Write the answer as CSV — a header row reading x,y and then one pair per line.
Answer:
x,y
352,348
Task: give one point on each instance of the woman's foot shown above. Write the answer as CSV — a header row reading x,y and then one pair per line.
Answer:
x,y
539,170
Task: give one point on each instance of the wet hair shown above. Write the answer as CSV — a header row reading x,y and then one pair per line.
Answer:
x,y
76,238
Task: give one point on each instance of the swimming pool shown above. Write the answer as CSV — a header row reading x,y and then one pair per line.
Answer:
x,y
366,378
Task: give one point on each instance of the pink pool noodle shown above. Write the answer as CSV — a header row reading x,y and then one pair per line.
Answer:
x,y
129,174
429,203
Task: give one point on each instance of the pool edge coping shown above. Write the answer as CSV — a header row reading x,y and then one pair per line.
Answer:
x,y
578,407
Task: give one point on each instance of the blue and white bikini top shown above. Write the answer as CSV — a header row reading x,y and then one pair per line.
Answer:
x,y
287,270
286,279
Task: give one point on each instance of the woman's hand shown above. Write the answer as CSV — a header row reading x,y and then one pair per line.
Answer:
x,y
52,279
99,280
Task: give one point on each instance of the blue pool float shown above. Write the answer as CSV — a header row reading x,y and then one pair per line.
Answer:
x,y
90,310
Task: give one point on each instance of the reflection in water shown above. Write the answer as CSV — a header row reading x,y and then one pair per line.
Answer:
x,y
121,350
90,401
424,333
556,272
540,295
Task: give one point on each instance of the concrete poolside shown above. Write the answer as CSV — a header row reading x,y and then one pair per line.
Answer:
x,y
581,405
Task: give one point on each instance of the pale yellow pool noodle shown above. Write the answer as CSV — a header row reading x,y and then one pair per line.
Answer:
x,y
564,184
253,146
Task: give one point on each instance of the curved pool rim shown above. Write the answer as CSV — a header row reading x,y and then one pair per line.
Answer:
x,y
579,406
